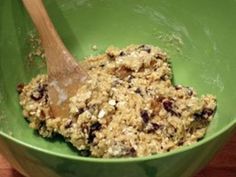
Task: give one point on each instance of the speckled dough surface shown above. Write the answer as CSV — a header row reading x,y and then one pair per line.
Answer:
x,y
129,108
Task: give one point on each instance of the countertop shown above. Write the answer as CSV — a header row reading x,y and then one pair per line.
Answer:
x,y
223,165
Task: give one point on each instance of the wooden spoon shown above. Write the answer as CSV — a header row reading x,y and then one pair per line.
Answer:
x,y
65,75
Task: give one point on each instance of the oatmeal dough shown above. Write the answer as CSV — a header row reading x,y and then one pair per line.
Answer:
x,y
129,108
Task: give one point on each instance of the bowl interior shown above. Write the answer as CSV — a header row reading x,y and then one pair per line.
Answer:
x,y
199,36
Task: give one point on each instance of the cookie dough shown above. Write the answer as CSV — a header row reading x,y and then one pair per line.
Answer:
x,y
130,107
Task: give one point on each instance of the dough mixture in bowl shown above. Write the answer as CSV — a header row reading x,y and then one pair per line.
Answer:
x,y
130,107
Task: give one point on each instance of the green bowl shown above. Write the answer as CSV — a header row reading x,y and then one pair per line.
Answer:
x,y
199,36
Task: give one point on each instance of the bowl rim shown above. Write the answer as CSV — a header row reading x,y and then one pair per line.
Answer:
x,y
232,125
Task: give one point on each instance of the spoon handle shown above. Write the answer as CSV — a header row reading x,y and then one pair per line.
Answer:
x,y
58,57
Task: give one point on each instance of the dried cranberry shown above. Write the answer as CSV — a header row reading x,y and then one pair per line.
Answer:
x,y
145,116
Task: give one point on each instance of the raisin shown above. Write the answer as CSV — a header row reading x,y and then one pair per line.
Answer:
x,y
42,114
204,114
46,98
91,137
85,152
155,127
168,105
181,142
96,126
101,65
122,53
132,152
20,87
145,116
138,91
68,124
207,112
178,87
39,92
41,125
80,111
110,55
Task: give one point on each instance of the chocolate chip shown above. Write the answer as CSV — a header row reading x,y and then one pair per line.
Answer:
x,y
20,87
145,116
85,152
